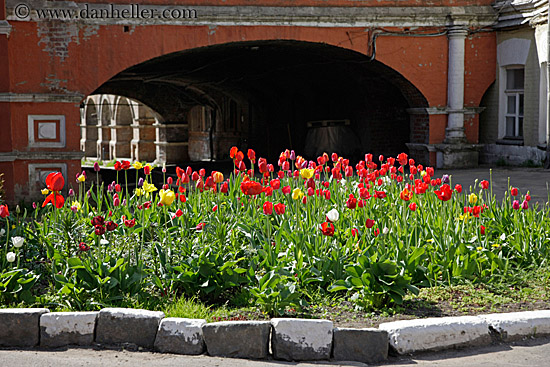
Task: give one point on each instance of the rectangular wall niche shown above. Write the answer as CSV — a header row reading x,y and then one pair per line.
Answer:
x,y
46,131
39,171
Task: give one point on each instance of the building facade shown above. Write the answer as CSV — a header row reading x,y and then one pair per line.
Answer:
x,y
451,82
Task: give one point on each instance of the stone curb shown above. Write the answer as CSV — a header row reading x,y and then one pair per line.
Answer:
x,y
291,339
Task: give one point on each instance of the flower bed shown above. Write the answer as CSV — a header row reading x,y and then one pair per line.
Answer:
x,y
269,236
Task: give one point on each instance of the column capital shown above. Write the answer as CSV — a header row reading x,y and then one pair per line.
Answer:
x,y
457,31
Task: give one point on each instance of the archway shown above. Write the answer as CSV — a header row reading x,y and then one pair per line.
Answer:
x,y
273,95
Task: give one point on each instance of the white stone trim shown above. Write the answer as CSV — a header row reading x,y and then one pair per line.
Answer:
x,y
40,97
300,16
38,144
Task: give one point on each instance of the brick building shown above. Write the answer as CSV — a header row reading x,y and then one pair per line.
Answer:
x,y
177,81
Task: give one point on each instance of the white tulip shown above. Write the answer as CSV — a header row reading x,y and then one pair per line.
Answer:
x,y
17,241
2,232
333,215
10,256
386,230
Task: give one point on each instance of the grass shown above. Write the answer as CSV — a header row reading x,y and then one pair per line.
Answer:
x,y
529,292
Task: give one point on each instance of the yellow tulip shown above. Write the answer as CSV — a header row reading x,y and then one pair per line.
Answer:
x,y
76,205
167,197
307,173
149,187
81,178
137,165
472,198
140,192
45,191
297,194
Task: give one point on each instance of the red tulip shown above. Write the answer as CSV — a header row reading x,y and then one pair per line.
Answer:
x,y
116,200
147,170
376,231
458,188
402,158
482,229
251,155
430,171
327,228
412,206
286,190
369,223
514,191
527,197
351,203
4,212
279,208
355,231
99,230
484,184
55,181
444,193
111,226
515,205
130,223
118,166
251,188
83,247
233,152
268,208
224,188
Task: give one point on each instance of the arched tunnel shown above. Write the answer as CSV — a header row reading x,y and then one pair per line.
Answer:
x,y
276,95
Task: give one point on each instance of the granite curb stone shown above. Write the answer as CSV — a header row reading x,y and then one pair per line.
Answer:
x,y
180,335
20,327
125,325
238,339
408,336
65,328
301,339
366,345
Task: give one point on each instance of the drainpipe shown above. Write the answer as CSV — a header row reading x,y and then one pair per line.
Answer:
x,y
547,162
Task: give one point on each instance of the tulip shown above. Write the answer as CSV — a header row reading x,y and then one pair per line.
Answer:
x,y
297,194
4,212
10,256
472,198
307,173
515,205
251,188
333,215
116,200
140,182
170,180
482,230
514,191
111,226
525,205
83,247
484,184
147,170
444,193
327,228
17,241
458,188
286,190
167,197
412,206
218,177
138,165
279,208
224,188
96,167
268,208
369,223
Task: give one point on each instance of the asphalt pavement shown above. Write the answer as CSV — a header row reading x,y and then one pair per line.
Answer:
x,y
530,352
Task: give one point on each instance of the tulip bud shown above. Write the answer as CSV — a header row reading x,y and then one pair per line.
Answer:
x,y
96,167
